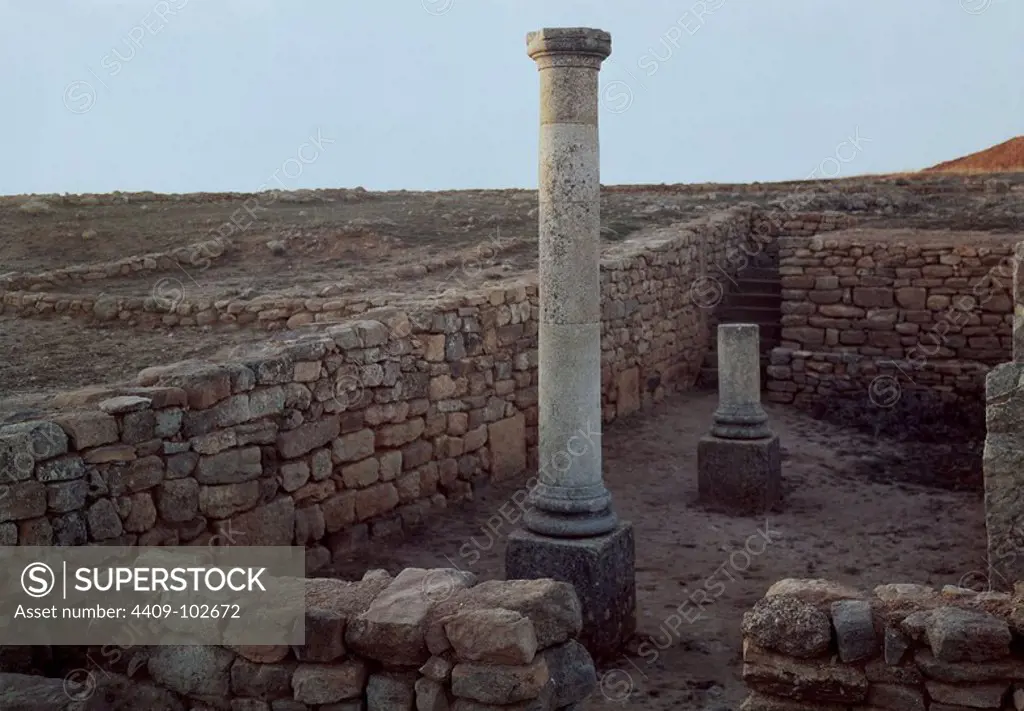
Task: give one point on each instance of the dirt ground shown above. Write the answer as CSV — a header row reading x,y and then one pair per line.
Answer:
x,y
838,523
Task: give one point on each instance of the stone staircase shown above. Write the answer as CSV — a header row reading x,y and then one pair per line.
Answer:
x,y
754,297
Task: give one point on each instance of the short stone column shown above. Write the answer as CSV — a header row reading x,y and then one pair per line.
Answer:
x,y
739,464
572,534
1003,463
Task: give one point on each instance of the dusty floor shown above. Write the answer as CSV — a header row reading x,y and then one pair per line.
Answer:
x,y
837,523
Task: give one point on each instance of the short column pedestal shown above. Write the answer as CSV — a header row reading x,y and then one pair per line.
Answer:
x,y
740,476
739,464
601,570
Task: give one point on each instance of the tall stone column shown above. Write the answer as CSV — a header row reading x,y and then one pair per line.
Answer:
x,y
1003,460
739,464
571,533
1018,303
1003,464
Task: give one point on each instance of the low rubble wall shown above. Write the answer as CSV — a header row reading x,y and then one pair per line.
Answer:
x,y
814,644
424,639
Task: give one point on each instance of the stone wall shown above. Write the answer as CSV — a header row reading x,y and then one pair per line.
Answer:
x,y
199,254
425,639
355,431
636,271
878,311
812,644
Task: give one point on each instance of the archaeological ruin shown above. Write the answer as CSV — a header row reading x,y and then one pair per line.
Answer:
x,y
715,447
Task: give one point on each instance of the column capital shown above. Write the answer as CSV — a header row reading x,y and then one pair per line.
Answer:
x,y
582,41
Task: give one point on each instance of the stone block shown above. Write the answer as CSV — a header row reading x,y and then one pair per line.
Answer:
x,y
600,568
958,635
139,475
329,683
294,475
262,681
893,696
500,684
229,499
309,525
35,532
233,466
855,630
272,524
141,513
17,462
391,691
495,636
375,500
196,672
178,500
627,392
430,695
437,669
305,438
572,672
976,696
393,629
123,404
819,681
742,477
339,511
104,521
354,446
61,469
138,427
361,474
89,429
69,529
66,496
399,434
786,624
507,441
46,439
22,500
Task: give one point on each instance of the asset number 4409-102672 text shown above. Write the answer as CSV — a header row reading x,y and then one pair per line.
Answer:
x,y
198,612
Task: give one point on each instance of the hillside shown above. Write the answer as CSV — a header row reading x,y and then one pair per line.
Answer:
x,y
1005,157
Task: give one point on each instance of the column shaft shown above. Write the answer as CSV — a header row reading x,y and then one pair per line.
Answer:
x,y
571,499
739,414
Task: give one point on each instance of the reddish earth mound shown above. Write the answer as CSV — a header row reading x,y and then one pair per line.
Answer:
x,y
1006,157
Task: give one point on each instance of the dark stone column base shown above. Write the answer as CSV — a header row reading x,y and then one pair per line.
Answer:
x,y
740,476
602,569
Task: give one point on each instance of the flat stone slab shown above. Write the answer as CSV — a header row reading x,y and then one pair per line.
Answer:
x,y
740,476
601,569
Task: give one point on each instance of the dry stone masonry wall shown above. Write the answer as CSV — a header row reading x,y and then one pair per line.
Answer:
x,y
725,244
813,644
199,254
424,639
924,309
357,431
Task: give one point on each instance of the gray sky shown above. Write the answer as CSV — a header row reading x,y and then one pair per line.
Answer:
x,y
211,95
